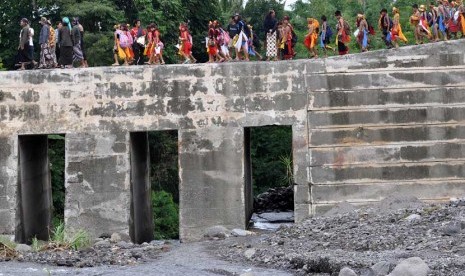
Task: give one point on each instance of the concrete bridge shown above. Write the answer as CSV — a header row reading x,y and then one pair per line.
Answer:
x,y
363,126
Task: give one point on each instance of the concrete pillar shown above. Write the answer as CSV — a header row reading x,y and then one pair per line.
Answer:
x,y
248,184
211,180
8,184
141,220
97,172
35,191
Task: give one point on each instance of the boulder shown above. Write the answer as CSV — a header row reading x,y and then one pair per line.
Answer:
x,y
381,269
115,238
217,232
23,248
345,271
249,253
239,233
411,267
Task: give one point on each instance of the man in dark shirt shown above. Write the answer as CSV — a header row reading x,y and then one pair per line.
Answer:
x,y
385,26
233,30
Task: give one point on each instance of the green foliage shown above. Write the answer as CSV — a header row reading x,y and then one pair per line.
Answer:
x,y
56,154
165,216
35,244
271,148
164,162
99,48
61,239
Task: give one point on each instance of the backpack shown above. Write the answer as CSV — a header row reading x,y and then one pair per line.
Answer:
x,y
294,38
346,27
329,32
226,37
125,40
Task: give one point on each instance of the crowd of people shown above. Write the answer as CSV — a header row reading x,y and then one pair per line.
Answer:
x,y
63,46
60,47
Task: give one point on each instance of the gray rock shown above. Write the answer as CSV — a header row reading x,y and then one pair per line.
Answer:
x,y
342,208
452,228
239,233
125,245
218,231
345,271
104,243
413,217
381,268
249,253
23,248
115,237
411,267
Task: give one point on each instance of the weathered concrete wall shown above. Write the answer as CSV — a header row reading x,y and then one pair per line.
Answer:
x,y
363,125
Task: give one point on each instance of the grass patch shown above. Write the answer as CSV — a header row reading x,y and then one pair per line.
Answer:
x,y
7,248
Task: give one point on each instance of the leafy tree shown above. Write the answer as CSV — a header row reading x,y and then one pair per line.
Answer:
x,y
164,162
165,216
56,154
271,151
256,10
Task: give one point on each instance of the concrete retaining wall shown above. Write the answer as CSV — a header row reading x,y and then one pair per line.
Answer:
x,y
363,126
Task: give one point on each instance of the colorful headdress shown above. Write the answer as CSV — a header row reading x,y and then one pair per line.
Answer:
x,y
67,22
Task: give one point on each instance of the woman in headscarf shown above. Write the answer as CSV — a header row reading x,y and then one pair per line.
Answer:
x,y
66,44
396,31
271,25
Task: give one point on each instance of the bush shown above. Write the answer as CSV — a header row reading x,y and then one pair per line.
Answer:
x,y
165,216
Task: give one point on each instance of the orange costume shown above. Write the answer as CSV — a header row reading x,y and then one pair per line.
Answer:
x,y
311,38
396,31
186,47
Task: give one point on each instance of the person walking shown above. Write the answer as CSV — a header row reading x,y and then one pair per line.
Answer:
x,y
52,42
76,38
138,34
83,48
24,53
396,30
325,36
343,34
311,39
385,25
271,25
362,32
46,59
66,44
57,39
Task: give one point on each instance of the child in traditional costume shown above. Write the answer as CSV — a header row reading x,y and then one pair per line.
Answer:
x,y
325,36
186,43
362,32
288,30
454,23
158,44
396,30
343,34
424,30
311,39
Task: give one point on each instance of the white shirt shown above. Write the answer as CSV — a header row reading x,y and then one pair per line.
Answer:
x,y
31,35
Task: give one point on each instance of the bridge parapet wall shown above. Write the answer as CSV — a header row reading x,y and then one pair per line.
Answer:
x,y
363,126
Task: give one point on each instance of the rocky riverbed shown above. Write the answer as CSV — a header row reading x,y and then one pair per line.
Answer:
x,y
399,236
364,241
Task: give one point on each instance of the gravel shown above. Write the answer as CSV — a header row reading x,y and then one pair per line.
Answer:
x,y
360,238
